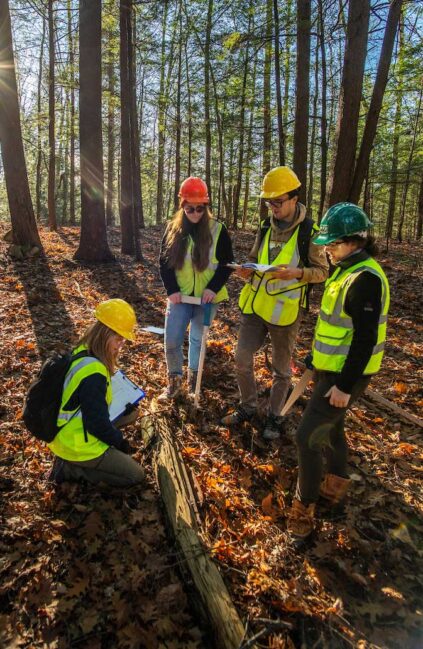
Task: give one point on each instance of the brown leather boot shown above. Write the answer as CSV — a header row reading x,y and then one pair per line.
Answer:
x,y
300,522
334,488
173,389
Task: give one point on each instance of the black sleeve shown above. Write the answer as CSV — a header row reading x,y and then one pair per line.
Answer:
x,y
167,274
363,304
95,412
224,256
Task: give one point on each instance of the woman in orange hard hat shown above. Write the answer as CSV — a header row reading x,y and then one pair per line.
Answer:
x,y
88,446
193,257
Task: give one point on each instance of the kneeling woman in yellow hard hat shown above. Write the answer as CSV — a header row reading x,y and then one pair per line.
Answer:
x,y
193,258
88,446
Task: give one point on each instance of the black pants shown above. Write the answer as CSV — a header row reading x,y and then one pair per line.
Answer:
x,y
322,429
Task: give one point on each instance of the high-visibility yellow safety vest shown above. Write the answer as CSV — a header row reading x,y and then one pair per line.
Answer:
x,y
193,282
334,329
72,442
277,301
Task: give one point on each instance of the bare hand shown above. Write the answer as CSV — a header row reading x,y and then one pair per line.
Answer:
x,y
208,296
338,398
175,298
286,272
244,273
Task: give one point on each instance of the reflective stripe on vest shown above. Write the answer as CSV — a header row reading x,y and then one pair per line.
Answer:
x,y
334,329
276,301
72,442
193,282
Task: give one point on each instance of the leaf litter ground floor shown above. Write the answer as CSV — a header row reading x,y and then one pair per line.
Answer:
x,y
95,568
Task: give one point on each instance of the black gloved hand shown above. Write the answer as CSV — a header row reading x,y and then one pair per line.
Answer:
x,y
308,361
126,447
130,407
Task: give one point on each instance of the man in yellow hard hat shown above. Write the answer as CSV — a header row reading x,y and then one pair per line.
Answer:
x,y
271,302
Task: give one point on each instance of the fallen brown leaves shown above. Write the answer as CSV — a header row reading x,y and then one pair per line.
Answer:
x,y
93,567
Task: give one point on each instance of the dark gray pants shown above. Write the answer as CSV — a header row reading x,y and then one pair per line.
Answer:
x,y
322,428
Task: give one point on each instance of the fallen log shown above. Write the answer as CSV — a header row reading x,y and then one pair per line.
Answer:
x,y
182,513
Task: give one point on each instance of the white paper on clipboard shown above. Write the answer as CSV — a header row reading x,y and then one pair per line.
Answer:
x,y
124,392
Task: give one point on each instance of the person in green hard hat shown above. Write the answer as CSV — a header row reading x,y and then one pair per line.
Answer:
x,y
88,446
348,348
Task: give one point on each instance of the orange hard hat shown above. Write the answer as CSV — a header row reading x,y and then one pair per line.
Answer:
x,y
194,190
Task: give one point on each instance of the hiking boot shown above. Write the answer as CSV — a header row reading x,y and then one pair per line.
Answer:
x,y
173,389
334,488
300,521
236,417
273,427
191,381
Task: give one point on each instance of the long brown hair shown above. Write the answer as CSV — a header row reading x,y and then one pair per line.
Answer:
x,y
97,338
177,242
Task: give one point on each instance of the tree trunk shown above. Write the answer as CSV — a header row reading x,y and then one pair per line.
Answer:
x,y
419,227
287,70
407,175
72,189
93,244
178,125
310,187
207,97
349,102
136,211
111,142
376,100
267,124
126,196
302,94
323,120
51,122
396,137
189,116
161,122
24,227
281,132
249,146
38,180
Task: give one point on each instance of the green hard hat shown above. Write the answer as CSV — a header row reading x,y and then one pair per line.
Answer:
x,y
342,220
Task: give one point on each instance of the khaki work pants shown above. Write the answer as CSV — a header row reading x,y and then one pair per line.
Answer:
x,y
252,334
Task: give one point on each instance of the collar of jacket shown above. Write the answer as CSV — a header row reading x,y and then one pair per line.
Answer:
x,y
353,259
284,234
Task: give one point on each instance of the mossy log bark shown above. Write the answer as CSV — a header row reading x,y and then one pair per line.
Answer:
x,y
181,509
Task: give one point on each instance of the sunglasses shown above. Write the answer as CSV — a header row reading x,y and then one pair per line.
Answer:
x,y
190,210
277,203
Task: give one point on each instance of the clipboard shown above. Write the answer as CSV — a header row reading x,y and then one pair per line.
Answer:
x,y
124,391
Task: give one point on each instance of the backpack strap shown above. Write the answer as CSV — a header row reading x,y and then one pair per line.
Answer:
x,y
306,230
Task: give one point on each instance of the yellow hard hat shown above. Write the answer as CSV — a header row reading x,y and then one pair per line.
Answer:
x,y
278,181
119,316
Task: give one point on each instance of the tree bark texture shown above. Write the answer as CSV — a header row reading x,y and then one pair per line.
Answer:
x,y
93,244
349,102
38,178
376,100
179,499
24,227
302,94
281,131
207,98
126,197
51,122
267,123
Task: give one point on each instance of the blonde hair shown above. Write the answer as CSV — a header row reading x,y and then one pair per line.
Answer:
x,y
177,242
97,338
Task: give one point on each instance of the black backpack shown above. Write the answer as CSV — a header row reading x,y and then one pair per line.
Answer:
x,y
42,402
